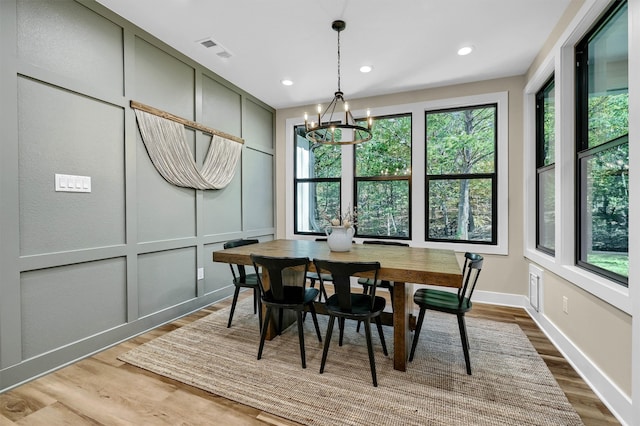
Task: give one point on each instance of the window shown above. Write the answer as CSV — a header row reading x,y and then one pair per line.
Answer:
x,y
545,168
383,180
459,169
461,180
317,183
602,144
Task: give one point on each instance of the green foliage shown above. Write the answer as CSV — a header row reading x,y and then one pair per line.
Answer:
x,y
549,106
383,208
605,205
608,118
607,199
461,141
389,150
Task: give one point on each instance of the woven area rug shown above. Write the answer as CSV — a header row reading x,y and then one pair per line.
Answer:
x,y
510,385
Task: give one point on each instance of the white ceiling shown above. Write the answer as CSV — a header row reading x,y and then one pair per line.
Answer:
x,y
411,44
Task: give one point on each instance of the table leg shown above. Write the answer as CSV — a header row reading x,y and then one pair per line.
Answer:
x,y
402,308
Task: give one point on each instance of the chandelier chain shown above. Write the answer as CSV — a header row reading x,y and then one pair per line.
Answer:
x,y
339,61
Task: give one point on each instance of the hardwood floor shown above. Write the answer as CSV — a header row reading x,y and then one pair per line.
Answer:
x,y
101,390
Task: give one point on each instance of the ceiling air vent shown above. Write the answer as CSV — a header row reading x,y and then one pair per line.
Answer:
x,y
208,43
216,47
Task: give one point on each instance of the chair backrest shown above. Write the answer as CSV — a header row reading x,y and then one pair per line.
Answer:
x,y
287,277
386,243
242,274
341,272
470,274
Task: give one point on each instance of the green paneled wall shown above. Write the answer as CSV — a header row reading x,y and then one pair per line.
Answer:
x,y
86,270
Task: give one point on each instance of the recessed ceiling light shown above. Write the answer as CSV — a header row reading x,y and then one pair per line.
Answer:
x,y
465,50
287,82
366,68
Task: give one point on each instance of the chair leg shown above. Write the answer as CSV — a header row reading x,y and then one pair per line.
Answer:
x,y
263,333
236,292
365,290
323,292
341,326
381,333
372,360
327,341
314,316
259,311
417,333
301,339
280,320
465,342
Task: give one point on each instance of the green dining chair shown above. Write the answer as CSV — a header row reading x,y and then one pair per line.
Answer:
x,y
452,303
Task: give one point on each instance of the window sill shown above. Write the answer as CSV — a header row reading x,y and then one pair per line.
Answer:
x,y
609,291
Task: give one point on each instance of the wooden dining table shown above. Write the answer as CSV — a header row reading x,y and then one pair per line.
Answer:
x,y
404,266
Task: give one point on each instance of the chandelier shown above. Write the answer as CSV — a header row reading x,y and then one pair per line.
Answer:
x,y
332,127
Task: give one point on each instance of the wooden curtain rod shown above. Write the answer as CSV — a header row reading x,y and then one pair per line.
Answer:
x,y
184,121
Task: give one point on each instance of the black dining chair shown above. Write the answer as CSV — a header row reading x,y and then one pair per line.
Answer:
x,y
452,303
243,280
344,304
287,290
366,283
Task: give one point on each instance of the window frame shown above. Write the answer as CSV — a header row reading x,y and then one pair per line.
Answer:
x,y
582,149
541,166
471,176
408,178
298,180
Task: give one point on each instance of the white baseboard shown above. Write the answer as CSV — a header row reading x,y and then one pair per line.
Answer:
x,y
616,401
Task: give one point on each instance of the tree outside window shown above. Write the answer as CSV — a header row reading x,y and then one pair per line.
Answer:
x,y
461,180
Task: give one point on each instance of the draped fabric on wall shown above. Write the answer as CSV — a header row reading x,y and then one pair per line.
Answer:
x,y
166,143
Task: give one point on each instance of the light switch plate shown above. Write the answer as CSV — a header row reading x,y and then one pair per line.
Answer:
x,y
72,183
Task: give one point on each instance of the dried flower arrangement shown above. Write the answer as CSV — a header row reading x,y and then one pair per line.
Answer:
x,y
347,219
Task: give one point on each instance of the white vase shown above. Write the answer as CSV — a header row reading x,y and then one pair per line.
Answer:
x,y
339,239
